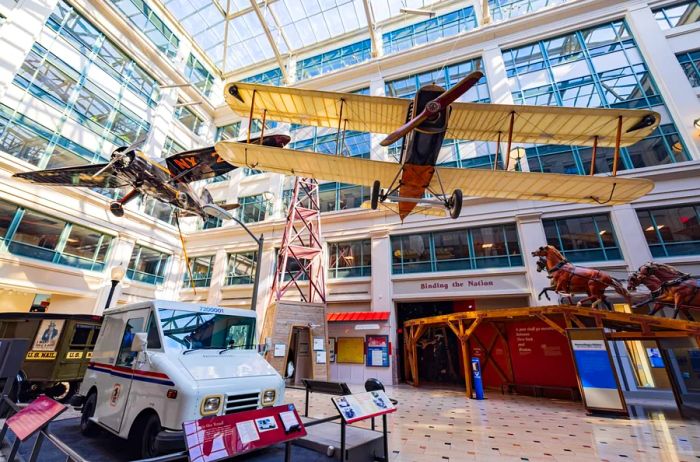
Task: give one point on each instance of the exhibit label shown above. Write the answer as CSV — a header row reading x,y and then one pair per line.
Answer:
x,y
32,418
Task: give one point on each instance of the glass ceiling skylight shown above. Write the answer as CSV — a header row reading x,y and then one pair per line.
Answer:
x,y
292,25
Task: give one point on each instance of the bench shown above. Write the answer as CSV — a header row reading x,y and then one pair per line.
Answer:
x,y
538,391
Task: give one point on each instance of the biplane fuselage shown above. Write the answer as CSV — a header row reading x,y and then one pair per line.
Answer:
x,y
421,148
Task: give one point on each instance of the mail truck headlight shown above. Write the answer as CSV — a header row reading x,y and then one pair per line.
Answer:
x,y
268,398
210,405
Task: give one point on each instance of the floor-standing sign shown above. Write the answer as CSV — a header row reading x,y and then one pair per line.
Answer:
x,y
595,371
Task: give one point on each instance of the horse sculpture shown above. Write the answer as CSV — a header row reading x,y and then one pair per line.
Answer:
x,y
569,279
669,287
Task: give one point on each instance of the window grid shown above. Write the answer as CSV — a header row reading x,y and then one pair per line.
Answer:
x,y
509,9
677,14
189,119
201,268
350,259
241,268
199,76
665,237
568,235
690,62
147,265
333,60
271,77
253,208
145,20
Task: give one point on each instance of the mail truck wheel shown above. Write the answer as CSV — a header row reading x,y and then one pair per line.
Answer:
x,y
142,437
88,427
374,198
456,203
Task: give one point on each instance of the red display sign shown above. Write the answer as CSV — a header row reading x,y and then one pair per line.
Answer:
x,y
33,417
220,437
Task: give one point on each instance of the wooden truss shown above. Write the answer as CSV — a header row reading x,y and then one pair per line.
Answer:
x,y
617,325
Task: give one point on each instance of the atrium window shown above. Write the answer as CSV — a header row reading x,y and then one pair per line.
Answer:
x,y
36,235
228,132
199,76
678,14
672,231
241,268
201,269
596,67
144,19
433,29
350,259
271,77
189,119
583,239
171,147
461,249
253,208
508,9
341,196
147,265
690,62
333,60
159,210
354,144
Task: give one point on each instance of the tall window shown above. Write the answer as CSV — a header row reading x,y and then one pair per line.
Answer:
x,y
271,77
147,265
672,231
32,234
228,132
596,67
171,147
582,239
159,210
690,62
350,258
199,76
147,21
189,119
201,269
241,268
253,208
430,30
678,14
508,9
462,249
333,60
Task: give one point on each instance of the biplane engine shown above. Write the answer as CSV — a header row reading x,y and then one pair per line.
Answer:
x,y
122,159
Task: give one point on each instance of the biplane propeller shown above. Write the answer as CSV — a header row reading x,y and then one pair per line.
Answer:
x,y
424,123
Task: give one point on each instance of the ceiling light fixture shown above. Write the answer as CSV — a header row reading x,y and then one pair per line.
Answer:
x,y
417,11
602,232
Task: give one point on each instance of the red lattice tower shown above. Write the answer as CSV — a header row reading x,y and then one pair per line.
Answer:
x,y
301,253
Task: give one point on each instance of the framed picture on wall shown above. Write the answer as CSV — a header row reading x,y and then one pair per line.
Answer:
x,y
350,350
331,349
378,350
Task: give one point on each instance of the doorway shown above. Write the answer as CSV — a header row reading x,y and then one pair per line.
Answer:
x,y
298,362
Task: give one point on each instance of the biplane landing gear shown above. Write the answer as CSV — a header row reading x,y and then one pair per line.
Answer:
x,y
117,209
454,204
374,197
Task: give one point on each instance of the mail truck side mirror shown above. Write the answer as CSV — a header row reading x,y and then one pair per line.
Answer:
x,y
140,342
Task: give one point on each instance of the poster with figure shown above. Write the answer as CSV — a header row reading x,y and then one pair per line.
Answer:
x,y
48,335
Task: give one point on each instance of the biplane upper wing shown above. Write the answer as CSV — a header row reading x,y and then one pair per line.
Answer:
x,y
469,121
198,164
473,182
82,176
549,124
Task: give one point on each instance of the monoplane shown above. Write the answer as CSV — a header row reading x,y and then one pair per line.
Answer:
x,y
169,183
424,123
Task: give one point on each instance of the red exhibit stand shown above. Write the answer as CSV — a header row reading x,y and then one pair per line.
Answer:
x,y
219,437
30,420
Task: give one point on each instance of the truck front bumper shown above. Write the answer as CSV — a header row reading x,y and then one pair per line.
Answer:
x,y
169,441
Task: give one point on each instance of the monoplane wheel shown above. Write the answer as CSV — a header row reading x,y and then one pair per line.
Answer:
x,y
117,209
374,198
456,203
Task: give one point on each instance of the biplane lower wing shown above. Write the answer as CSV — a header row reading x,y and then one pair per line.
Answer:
x,y
83,176
473,182
418,209
197,164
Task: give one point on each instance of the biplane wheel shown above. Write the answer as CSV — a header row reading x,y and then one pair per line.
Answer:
x,y
117,209
374,198
456,203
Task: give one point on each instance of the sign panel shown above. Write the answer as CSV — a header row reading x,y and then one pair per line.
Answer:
x,y
48,334
221,437
378,350
597,377
48,355
32,418
362,406
351,350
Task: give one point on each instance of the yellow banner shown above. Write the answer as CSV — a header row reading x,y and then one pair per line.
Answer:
x,y
41,355
88,355
74,355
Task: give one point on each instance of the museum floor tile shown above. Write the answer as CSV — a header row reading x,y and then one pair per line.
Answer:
x,y
442,425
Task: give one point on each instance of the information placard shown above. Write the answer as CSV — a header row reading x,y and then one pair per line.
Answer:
x,y
360,406
600,388
221,437
378,350
33,417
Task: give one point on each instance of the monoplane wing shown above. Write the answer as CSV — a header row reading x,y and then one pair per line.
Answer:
x,y
549,124
83,176
469,121
198,164
473,182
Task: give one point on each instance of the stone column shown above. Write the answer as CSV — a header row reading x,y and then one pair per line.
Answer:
x,y
382,291
267,274
18,34
679,95
532,237
630,236
218,275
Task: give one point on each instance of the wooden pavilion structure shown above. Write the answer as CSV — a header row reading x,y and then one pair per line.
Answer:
x,y
618,326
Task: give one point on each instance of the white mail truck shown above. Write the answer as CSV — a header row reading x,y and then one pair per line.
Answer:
x,y
159,363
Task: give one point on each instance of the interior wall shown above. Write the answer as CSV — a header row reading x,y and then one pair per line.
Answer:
x,y
15,301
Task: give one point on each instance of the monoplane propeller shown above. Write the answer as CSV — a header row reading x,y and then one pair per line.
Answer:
x,y
118,155
434,107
